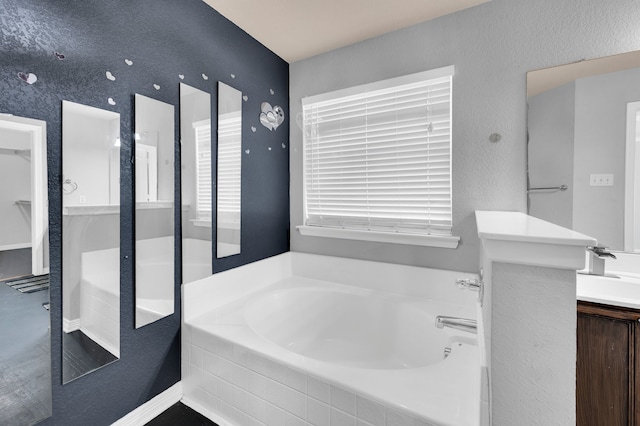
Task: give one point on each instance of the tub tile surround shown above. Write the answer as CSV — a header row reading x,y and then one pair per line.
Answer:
x,y
234,381
530,266
249,390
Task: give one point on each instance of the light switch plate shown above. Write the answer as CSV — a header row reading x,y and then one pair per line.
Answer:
x,y
601,180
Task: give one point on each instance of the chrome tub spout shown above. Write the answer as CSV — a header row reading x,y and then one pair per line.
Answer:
x,y
462,324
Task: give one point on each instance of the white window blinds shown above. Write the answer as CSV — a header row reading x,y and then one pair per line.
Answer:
x,y
203,169
378,157
229,162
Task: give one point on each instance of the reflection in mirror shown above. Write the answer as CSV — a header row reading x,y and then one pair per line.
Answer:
x,y
229,169
582,134
25,360
195,140
90,239
154,175
632,179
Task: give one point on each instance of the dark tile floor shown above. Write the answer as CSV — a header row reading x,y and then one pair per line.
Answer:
x,y
180,414
82,355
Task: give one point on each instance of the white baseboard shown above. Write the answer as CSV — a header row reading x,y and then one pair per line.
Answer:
x,y
70,325
152,408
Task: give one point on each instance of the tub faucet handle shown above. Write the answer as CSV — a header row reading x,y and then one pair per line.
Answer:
x,y
475,284
469,283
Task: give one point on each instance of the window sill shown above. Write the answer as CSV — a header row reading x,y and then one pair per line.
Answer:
x,y
440,241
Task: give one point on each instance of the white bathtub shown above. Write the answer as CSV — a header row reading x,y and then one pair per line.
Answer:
x,y
154,279
100,290
306,339
100,298
196,259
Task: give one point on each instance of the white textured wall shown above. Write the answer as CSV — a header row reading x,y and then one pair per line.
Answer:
x,y
533,345
88,143
492,47
550,155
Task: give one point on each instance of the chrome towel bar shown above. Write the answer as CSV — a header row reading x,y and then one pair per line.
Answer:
x,y
549,188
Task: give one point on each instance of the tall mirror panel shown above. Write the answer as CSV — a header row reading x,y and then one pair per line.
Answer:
x,y
90,239
25,352
228,183
583,156
195,140
154,177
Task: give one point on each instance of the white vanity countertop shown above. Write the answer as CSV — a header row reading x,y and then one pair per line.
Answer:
x,y
622,291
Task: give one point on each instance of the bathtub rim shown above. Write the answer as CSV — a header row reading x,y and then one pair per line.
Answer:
x,y
215,290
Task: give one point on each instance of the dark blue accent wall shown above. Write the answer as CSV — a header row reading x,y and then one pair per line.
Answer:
x,y
163,38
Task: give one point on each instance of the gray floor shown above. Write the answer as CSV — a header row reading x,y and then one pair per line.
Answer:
x,y
25,361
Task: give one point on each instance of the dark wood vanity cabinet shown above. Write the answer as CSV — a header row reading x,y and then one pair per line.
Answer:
x,y
607,370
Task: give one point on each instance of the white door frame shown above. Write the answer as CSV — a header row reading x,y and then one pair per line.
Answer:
x,y
37,130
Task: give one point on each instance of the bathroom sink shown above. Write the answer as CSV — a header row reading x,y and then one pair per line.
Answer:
x,y
622,291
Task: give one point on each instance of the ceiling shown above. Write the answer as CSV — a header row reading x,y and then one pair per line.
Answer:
x,y
298,29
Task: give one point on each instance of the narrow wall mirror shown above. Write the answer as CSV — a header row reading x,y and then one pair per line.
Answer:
x,y
154,177
582,161
25,348
228,182
90,239
195,141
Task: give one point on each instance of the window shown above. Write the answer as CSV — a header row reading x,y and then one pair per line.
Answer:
x,y
203,170
229,167
377,161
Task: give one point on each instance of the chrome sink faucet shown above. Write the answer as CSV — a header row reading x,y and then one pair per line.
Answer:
x,y
462,324
597,256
